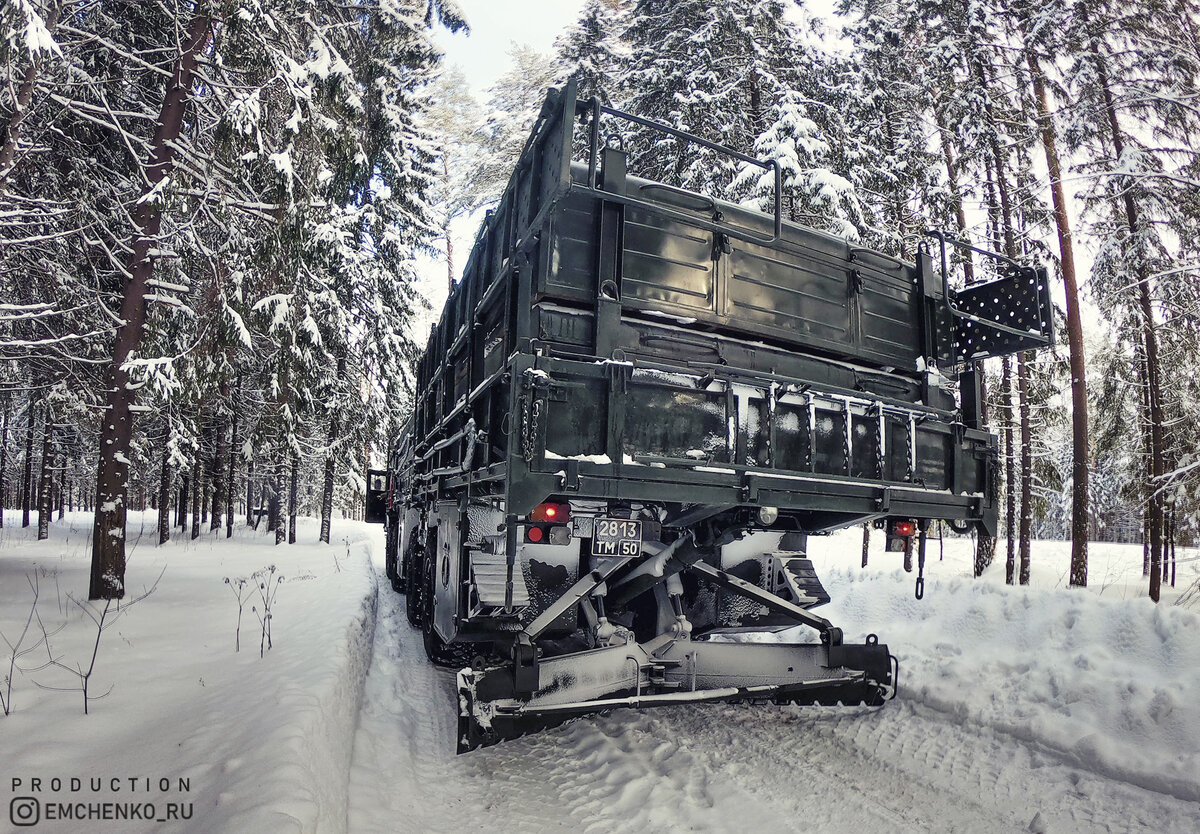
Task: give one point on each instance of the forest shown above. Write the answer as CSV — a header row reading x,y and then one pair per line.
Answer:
x,y
213,215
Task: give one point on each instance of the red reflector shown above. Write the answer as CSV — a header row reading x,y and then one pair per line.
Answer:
x,y
904,528
560,513
534,534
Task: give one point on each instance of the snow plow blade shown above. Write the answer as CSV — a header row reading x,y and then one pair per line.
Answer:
x,y
670,673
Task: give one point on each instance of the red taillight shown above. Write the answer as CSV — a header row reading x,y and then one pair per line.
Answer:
x,y
534,534
904,528
558,513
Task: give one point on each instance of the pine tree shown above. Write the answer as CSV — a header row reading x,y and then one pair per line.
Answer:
x,y
592,50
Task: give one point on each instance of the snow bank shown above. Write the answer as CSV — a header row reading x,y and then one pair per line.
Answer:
x,y
246,744
1108,684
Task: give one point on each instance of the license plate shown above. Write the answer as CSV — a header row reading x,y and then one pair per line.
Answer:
x,y
616,537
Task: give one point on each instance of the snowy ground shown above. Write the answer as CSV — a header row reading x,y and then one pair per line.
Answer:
x,y
1021,709
1036,708
262,745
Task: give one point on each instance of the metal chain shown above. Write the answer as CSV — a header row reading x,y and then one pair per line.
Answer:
x,y
530,428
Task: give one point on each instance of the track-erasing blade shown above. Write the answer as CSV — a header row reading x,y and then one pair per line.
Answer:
x,y
682,672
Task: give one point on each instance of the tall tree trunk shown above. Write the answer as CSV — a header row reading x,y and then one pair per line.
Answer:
x,y
1026,466
446,228
250,516
46,481
327,484
1147,453
12,137
1171,533
61,468
866,543
232,484
1010,249
197,493
116,435
960,214
1010,473
218,480
204,483
182,516
1149,344
27,478
4,465
295,467
164,496
1079,410
280,527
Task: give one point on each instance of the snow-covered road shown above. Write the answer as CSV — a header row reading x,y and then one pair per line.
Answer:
x,y
905,767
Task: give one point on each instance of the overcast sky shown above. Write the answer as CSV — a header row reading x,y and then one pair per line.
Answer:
x,y
495,24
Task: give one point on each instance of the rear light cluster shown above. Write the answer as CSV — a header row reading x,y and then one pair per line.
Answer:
x,y
549,524
557,513
899,534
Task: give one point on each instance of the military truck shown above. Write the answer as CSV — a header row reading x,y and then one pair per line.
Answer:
x,y
639,405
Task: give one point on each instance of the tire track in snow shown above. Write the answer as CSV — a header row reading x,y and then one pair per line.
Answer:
x,y
906,768
610,773
847,770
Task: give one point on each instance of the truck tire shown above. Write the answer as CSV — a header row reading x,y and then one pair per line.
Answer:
x,y
393,554
439,652
389,551
415,593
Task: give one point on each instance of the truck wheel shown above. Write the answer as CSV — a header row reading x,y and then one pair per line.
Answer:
x,y
437,650
414,593
393,555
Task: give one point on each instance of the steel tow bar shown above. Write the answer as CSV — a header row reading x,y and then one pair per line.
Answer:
x,y
923,528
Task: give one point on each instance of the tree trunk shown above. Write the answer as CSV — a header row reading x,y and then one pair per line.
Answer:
x,y
116,435
46,481
1010,474
205,482
1171,531
218,480
1010,249
61,468
277,501
182,516
866,543
27,478
4,465
250,516
1079,411
164,496
1150,349
12,137
232,482
1026,466
446,229
270,487
1147,453
197,493
960,214
327,485
292,499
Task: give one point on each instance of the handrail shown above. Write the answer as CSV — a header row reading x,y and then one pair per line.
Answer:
x,y
942,240
598,110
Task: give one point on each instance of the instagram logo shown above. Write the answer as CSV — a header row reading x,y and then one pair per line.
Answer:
x,y
24,811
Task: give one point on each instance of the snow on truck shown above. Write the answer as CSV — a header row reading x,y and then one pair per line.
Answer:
x,y
638,405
